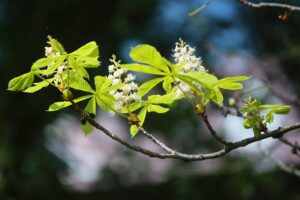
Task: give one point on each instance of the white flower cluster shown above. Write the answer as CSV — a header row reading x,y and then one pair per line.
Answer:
x,y
58,80
128,93
49,52
185,54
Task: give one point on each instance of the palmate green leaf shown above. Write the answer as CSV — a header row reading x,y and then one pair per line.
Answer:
x,y
218,96
213,94
77,68
38,86
91,107
147,86
281,109
106,101
149,55
77,82
157,109
20,83
43,62
277,109
56,45
231,83
269,117
53,66
187,80
141,116
102,83
88,50
167,84
205,79
63,104
162,99
87,62
142,68
133,107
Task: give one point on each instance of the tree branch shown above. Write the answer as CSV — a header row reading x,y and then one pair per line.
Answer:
x,y
213,132
269,5
182,156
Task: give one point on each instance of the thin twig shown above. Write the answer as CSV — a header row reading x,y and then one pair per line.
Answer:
x,y
227,111
295,146
198,10
269,5
156,141
289,143
213,132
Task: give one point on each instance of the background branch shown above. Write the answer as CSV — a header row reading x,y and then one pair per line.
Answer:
x,y
291,169
270,5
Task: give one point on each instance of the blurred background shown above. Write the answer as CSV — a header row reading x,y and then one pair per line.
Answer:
x,y
46,156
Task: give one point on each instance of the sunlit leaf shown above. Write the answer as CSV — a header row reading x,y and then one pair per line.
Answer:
x,y
77,82
38,86
79,69
88,62
101,83
63,104
43,62
53,66
106,101
56,45
281,109
20,83
162,99
157,109
149,55
147,86
167,84
90,50
91,107
231,83
141,116
142,68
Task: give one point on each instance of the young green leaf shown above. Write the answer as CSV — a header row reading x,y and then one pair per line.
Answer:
x,y
149,55
90,50
20,83
43,62
167,84
281,109
269,116
105,101
53,66
57,46
77,82
218,96
90,108
77,68
231,83
38,86
88,62
205,79
141,116
102,83
147,86
157,109
142,68
63,104
162,99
